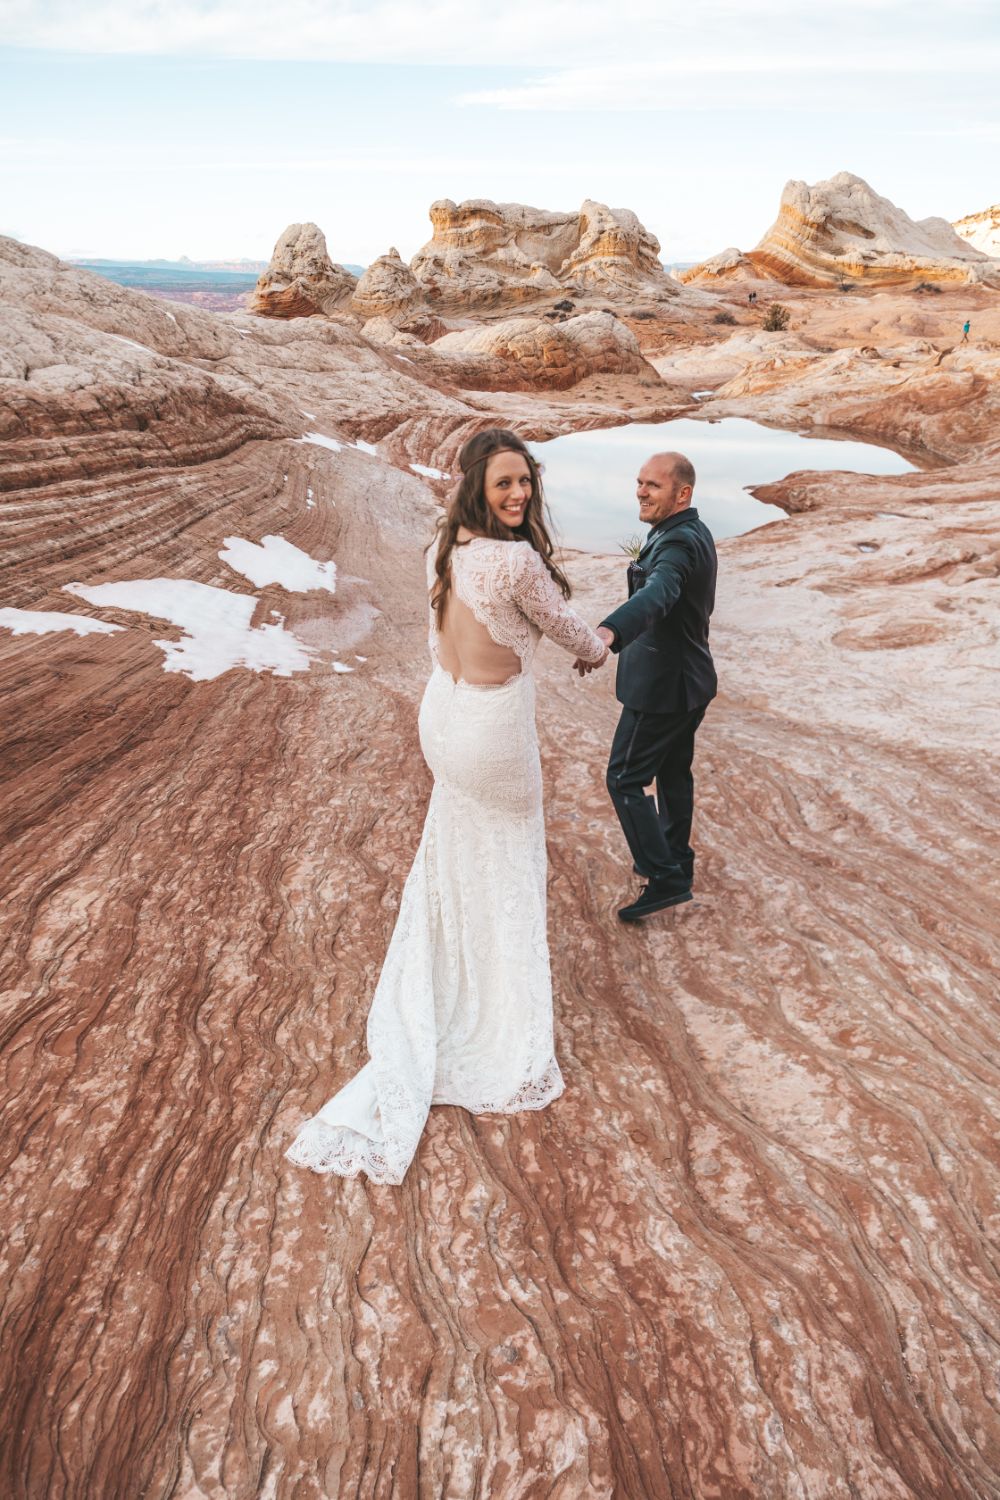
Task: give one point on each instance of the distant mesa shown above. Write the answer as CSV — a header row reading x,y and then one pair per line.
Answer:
x,y
842,231
982,230
241,267
301,280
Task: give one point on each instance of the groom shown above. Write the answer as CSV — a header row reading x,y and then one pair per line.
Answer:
x,y
666,680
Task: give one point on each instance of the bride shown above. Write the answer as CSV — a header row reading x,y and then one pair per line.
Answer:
x,y
462,1013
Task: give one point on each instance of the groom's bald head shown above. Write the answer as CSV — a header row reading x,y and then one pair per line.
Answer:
x,y
665,486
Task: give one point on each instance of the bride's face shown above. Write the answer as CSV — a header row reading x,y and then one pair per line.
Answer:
x,y
507,486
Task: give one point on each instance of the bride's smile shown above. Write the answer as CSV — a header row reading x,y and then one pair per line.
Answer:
x,y
508,486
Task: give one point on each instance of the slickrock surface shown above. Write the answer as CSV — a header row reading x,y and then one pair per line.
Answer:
x,y
525,352
301,279
484,254
982,230
842,230
751,1253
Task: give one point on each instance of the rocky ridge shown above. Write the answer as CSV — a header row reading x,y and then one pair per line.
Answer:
x,y
981,230
301,280
841,231
524,354
486,254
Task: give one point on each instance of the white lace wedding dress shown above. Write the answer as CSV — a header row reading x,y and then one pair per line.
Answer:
x,y
462,1013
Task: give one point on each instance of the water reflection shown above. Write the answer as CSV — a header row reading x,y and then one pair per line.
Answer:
x,y
590,476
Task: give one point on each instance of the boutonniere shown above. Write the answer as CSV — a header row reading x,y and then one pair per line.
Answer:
x,y
631,548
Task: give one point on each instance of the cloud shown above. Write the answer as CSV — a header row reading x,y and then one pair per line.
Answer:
x,y
391,31
977,132
28,154
756,80
523,33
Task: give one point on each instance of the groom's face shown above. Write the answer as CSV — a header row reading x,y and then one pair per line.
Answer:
x,y
660,492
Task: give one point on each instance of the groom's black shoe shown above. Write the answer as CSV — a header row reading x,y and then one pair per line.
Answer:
x,y
687,870
654,897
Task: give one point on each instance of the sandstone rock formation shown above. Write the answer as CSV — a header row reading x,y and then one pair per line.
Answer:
x,y
842,231
485,254
728,265
751,1252
388,289
982,230
616,253
99,381
301,279
522,353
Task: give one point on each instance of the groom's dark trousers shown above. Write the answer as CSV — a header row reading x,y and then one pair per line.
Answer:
x,y
665,681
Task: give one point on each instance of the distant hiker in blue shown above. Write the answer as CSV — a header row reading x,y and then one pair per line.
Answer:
x,y
965,331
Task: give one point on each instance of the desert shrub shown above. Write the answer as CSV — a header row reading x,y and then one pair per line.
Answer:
x,y
723,317
778,318
926,286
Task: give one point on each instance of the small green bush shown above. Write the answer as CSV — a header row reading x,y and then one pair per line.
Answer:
x,y
723,317
778,318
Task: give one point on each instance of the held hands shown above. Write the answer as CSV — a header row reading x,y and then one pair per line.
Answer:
x,y
581,667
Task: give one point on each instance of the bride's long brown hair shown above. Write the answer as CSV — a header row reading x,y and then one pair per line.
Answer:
x,y
468,507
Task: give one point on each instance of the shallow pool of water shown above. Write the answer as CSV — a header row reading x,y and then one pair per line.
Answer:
x,y
589,477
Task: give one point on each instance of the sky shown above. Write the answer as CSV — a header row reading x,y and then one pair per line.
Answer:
x,y
140,128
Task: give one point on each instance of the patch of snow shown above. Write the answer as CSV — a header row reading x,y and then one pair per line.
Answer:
x,y
321,440
276,560
429,473
697,395
366,447
216,624
311,415
40,621
170,316
405,359
310,502
359,658
338,666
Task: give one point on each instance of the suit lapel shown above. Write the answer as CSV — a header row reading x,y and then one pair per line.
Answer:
x,y
664,529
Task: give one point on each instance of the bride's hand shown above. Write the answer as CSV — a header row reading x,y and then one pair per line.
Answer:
x,y
582,667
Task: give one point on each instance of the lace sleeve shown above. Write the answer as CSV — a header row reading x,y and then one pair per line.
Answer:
x,y
536,595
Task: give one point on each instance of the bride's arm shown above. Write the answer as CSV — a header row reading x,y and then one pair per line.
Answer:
x,y
536,594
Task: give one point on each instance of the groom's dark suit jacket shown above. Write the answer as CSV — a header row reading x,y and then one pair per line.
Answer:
x,y
661,632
